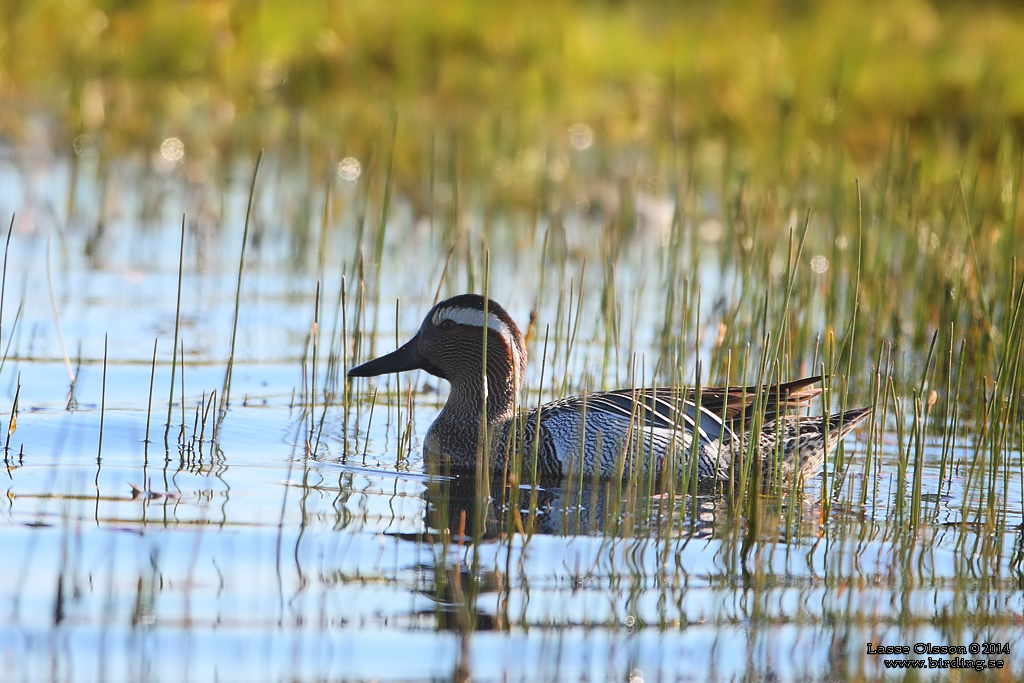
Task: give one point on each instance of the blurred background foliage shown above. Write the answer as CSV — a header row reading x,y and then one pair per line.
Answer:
x,y
778,84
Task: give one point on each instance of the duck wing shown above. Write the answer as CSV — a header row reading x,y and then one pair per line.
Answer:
x,y
746,401
676,407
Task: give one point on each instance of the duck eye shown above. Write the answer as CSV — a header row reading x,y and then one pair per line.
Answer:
x,y
447,324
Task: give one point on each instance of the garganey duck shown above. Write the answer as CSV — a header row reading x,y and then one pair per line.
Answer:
x,y
606,433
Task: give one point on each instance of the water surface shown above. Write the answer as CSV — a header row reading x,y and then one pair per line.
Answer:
x,y
305,543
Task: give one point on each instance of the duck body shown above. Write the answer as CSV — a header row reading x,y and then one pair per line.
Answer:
x,y
619,435
607,434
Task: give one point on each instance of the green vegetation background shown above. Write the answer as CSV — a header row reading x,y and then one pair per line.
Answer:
x,y
897,124
778,80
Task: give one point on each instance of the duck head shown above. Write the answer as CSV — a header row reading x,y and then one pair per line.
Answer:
x,y
450,345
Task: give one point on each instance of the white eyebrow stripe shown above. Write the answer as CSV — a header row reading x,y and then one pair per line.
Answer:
x,y
475,317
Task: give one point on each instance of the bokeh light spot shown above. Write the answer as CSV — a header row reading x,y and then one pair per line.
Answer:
x,y
581,136
172,149
349,169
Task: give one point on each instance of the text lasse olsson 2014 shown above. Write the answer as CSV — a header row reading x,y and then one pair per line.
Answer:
x,y
929,649
957,662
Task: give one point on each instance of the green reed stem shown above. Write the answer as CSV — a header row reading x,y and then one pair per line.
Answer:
x,y
103,412
312,384
177,330
149,402
3,275
11,426
226,387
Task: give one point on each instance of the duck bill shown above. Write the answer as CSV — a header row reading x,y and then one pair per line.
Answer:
x,y
404,358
